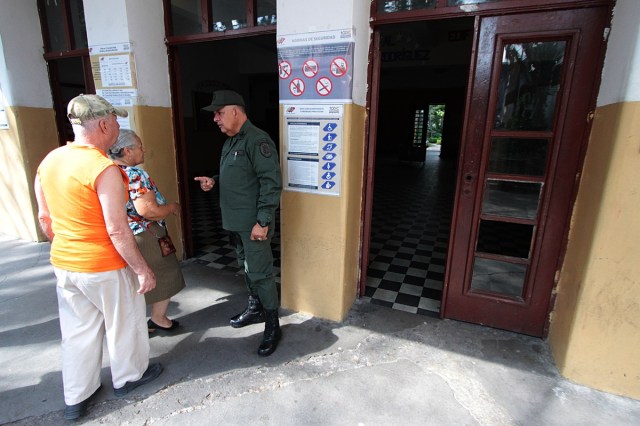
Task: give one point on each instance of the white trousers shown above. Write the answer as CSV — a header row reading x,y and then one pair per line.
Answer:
x,y
92,306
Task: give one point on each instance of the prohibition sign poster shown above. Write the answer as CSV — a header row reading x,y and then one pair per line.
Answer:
x,y
321,63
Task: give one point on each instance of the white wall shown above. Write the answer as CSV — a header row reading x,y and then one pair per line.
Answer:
x,y
142,24
25,82
621,73
106,22
305,16
146,32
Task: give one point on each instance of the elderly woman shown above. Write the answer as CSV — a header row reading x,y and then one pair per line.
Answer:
x,y
146,210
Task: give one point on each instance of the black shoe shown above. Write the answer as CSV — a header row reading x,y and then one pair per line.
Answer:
x,y
253,314
75,411
152,326
272,333
152,373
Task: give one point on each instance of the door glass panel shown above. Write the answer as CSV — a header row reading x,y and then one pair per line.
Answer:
x,y
504,238
400,5
463,2
498,277
55,26
518,156
266,12
186,16
228,14
79,28
529,83
511,199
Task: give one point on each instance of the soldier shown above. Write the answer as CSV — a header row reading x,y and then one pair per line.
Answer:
x,y
250,184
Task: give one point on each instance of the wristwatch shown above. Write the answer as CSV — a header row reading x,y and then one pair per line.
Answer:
x,y
263,223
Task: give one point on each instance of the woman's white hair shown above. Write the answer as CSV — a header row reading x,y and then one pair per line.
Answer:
x,y
126,139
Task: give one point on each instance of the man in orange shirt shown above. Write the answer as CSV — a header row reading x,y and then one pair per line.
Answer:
x,y
101,275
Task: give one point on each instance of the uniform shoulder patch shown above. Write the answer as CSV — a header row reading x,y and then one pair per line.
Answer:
x,y
265,149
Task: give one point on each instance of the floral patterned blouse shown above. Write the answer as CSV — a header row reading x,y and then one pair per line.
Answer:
x,y
139,184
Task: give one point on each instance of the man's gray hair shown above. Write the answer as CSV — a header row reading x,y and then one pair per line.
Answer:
x,y
126,139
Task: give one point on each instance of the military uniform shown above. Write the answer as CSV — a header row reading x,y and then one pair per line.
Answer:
x,y
250,184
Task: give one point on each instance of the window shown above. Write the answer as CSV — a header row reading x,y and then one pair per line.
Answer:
x,y
67,55
431,131
193,17
387,6
63,26
418,128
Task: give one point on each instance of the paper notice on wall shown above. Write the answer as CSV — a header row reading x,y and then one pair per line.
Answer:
x,y
4,121
316,66
114,76
124,99
313,148
113,66
116,71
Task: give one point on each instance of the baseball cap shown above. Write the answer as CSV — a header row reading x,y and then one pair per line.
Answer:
x,y
222,98
85,108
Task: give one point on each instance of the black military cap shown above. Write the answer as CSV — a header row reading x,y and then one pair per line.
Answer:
x,y
222,98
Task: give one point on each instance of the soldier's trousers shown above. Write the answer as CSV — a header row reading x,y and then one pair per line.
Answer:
x,y
257,258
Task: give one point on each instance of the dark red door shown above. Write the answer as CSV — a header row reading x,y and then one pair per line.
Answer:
x,y
526,128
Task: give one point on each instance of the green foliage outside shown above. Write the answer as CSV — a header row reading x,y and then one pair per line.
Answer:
x,y
434,126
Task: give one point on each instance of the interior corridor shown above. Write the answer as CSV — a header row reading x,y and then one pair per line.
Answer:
x,y
411,220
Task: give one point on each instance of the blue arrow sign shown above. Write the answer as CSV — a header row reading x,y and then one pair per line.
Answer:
x,y
329,166
328,185
329,127
329,137
329,175
329,156
329,147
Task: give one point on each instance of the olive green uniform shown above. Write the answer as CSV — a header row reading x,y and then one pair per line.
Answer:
x,y
250,184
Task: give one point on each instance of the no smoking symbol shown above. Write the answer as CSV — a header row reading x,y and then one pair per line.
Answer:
x,y
324,86
338,67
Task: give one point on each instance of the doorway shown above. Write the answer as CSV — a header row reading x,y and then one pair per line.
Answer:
x,y
247,65
531,83
69,78
422,65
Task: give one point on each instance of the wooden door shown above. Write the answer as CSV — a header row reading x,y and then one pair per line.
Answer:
x,y
527,122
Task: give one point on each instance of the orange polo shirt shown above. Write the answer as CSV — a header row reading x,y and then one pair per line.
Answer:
x,y
81,243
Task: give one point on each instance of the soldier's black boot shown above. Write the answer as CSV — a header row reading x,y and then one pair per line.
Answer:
x,y
272,333
253,314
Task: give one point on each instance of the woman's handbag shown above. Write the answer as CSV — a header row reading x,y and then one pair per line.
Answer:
x,y
166,246
165,243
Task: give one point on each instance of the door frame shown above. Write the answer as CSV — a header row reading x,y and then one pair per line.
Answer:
x,y
442,12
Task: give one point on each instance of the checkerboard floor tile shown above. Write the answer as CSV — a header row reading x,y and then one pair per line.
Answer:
x,y
412,207
409,237
212,245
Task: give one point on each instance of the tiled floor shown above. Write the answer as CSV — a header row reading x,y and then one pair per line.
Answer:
x,y
212,245
410,230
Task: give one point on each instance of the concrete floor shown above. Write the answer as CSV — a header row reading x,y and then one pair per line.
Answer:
x,y
379,366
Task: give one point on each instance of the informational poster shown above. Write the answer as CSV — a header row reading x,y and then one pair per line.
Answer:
x,y
316,67
313,148
114,76
4,121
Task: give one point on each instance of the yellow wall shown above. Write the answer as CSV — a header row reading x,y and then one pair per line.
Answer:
x,y
155,128
320,235
31,135
595,329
